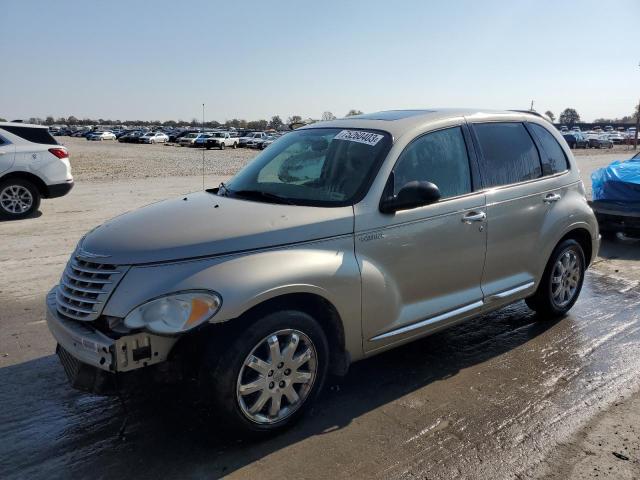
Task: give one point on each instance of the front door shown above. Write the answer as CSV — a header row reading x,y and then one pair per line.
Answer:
x,y
421,268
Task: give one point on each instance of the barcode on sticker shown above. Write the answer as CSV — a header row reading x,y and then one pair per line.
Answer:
x,y
359,136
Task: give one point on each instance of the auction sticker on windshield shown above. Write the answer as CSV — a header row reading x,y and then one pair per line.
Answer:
x,y
367,138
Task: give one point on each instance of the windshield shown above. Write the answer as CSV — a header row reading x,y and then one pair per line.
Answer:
x,y
319,166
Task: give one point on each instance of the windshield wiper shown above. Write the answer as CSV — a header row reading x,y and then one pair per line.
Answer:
x,y
260,194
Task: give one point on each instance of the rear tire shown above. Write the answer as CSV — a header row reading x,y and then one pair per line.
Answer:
x,y
222,146
235,145
18,198
561,281
256,388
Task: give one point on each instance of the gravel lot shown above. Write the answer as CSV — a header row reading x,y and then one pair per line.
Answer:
x,y
111,160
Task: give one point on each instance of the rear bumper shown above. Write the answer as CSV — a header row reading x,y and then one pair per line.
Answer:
x,y
84,343
59,190
617,218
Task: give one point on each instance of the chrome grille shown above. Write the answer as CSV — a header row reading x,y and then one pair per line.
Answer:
x,y
85,286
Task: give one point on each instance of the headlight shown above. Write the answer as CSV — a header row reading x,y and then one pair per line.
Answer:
x,y
174,313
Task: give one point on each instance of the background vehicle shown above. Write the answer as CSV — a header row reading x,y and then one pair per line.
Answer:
x,y
576,140
267,141
32,166
221,140
599,141
187,140
131,137
153,137
100,136
251,137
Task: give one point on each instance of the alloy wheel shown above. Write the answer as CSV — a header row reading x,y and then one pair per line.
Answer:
x,y
277,376
16,199
565,278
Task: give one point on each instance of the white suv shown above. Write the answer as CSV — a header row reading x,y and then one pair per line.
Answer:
x,y
32,166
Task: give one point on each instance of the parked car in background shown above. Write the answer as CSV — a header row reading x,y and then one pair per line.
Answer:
x,y
576,140
268,141
259,143
131,137
100,136
251,137
221,140
32,166
153,137
188,139
575,129
599,141
201,139
616,137
178,134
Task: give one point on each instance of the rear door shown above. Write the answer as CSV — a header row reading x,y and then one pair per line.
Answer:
x,y
520,194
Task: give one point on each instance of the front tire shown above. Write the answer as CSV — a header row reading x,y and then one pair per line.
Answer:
x,y
18,198
264,381
222,145
561,281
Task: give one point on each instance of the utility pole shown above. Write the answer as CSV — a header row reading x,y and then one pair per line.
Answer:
x,y
531,107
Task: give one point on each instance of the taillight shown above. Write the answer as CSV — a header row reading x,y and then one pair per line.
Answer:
x,y
60,152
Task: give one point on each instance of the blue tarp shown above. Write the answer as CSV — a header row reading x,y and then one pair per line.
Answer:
x,y
618,182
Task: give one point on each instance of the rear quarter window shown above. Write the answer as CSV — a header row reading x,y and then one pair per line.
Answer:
x,y
554,159
508,153
30,134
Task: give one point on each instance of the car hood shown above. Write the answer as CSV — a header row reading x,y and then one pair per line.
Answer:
x,y
203,224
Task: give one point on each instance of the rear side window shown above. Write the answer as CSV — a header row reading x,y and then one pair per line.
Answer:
x,y
439,157
35,135
553,158
508,154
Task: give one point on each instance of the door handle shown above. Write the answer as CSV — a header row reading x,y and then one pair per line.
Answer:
x,y
551,198
474,217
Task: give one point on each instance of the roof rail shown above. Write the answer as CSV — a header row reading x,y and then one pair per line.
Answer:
x,y
532,112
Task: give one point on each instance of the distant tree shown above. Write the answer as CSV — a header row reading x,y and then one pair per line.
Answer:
x,y
258,125
549,114
294,119
3,119
276,122
71,120
328,116
33,120
61,121
569,116
49,120
352,112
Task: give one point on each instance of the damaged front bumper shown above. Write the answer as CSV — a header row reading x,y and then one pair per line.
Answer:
x,y
88,354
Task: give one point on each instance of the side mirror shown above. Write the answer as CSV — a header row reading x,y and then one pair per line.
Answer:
x,y
412,195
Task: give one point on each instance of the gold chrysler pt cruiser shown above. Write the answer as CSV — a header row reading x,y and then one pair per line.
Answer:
x,y
340,240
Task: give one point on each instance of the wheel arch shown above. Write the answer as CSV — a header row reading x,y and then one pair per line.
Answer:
x,y
36,180
583,237
321,310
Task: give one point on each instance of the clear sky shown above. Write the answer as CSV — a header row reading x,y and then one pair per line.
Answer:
x,y
160,60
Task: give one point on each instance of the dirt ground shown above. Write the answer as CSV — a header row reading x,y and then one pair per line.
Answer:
x,y
502,396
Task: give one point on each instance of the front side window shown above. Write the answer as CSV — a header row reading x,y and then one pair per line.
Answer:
x,y
316,166
438,157
508,154
554,160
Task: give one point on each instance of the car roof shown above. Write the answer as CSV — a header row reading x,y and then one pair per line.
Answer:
x,y
398,122
20,124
